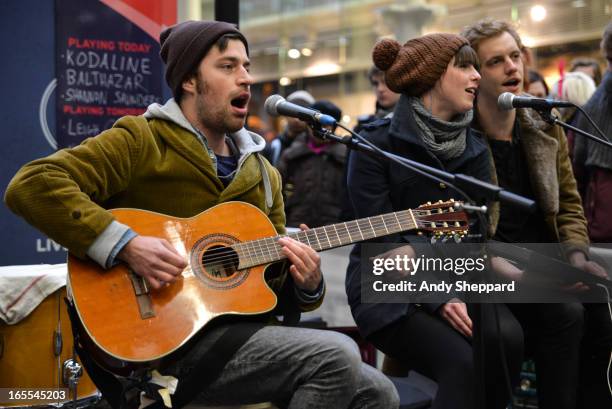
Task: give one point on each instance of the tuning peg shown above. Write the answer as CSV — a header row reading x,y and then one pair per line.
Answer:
x,y
428,203
457,224
457,238
433,240
444,224
452,200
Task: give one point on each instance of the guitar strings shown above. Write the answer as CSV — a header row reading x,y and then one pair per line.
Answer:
x,y
261,245
258,252
257,249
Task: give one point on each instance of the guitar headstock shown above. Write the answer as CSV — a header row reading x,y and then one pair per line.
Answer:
x,y
443,220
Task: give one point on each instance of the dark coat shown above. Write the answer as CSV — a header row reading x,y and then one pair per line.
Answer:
x,y
312,184
593,163
377,186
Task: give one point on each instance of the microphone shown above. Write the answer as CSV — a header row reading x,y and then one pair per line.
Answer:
x,y
508,101
276,105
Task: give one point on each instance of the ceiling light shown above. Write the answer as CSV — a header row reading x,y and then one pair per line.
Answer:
x,y
284,81
306,52
322,68
538,13
294,53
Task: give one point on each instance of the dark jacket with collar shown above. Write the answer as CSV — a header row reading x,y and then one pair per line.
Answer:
x,y
377,186
552,179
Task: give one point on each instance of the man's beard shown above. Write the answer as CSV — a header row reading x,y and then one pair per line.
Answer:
x,y
210,116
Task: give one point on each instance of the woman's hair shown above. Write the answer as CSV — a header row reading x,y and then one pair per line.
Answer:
x,y
467,56
576,87
534,76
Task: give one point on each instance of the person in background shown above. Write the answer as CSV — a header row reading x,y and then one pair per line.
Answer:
x,y
385,103
312,173
593,161
593,167
537,85
589,66
575,87
294,130
385,98
530,158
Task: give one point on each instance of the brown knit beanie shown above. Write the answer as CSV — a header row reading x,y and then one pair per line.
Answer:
x,y
185,44
414,68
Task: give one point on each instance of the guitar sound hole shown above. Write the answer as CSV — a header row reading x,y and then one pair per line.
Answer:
x,y
220,262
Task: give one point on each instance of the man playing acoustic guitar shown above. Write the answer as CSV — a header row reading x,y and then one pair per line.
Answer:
x,y
181,159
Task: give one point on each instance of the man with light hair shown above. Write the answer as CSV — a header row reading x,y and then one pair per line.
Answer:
x,y
530,158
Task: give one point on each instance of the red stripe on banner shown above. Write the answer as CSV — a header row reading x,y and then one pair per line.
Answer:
x,y
152,16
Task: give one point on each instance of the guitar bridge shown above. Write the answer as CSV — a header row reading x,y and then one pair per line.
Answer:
x,y
143,298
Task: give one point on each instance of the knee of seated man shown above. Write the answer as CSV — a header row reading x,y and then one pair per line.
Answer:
x,y
342,353
383,391
345,347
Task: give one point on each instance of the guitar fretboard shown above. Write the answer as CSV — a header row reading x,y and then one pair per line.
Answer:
x,y
267,250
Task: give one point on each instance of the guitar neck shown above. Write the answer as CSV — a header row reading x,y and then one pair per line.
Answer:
x,y
267,250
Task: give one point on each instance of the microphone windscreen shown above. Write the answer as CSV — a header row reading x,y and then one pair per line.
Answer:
x,y
271,103
504,101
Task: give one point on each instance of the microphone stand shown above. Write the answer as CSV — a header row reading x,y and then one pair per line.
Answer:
x,y
485,190
552,119
478,187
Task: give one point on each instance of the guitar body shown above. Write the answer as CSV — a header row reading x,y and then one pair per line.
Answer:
x,y
130,325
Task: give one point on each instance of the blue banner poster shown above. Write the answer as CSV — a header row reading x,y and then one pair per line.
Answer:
x,y
73,68
106,67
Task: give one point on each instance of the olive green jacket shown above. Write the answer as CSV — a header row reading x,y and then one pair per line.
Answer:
x,y
146,164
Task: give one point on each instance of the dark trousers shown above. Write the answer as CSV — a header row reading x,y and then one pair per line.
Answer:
x,y
594,358
427,344
553,333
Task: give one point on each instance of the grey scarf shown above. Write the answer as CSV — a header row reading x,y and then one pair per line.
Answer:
x,y
444,139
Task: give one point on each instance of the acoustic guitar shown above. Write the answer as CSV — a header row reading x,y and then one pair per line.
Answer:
x,y
228,248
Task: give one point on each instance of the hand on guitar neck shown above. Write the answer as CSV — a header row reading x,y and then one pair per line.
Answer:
x,y
154,259
305,262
